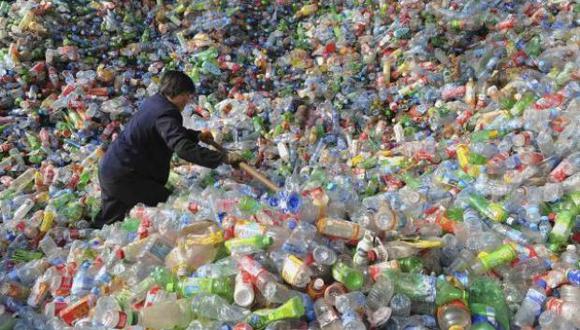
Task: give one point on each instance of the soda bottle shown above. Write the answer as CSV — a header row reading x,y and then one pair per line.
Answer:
x,y
417,287
562,229
350,277
293,308
447,293
326,316
244,290
550,320
224,287
454,315
352,301
339,228
351,320
248,245
400,305
486,299
166,314
380,293
295,272
567,310
530,308
324,255
487,261
493,211
263,280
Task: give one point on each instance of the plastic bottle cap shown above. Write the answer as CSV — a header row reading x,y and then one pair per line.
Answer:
x,y
292,224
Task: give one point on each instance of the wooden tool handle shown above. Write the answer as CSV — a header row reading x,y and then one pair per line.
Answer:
x,y
252,171
258,176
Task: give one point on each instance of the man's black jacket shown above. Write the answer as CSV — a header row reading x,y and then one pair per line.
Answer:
x,y
144,148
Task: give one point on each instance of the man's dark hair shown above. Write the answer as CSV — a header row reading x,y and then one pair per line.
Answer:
x,y
174,83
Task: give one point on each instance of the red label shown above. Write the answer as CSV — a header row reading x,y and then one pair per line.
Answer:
x,y
76,311
554,304
122,321
65,286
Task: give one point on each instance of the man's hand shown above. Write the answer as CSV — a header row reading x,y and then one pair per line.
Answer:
x,y
205,137
233,159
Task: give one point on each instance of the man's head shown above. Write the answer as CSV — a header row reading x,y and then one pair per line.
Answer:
x,y
177,87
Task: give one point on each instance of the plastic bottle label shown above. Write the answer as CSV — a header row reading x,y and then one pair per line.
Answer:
x,y
65,286
291,269
121,320
555,305
251,266
160,250
76,311
538,298
38,294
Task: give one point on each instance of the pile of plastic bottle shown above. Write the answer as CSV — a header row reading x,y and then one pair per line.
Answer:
x,y
426,152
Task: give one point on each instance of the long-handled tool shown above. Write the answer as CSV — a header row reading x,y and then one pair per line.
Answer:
x,y
252,171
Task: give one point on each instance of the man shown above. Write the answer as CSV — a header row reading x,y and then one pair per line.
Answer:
x,y
135,168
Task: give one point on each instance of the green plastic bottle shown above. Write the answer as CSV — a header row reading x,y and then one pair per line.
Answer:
x,y
350,277
411,264
293,308
222,286
487,261
254,243
446,293
533,47
558,237
484,135
486,299
476,159
493,211
522,104
249,205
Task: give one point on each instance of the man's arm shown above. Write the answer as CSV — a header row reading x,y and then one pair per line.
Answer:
x,y
184,143
193,135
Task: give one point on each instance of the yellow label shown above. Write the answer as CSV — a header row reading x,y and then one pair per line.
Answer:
x,y
357,160
462,155
42,197
291,269
423,244
47,221
497,212
211,239
473,171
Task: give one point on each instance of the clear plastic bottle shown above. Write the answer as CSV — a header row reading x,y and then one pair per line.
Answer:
x,y
530,308
380,293
355,301
567,310
244,291
166,314
351,320
326,316
217,308
550,320
454,315
400,305
339,228
324,255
